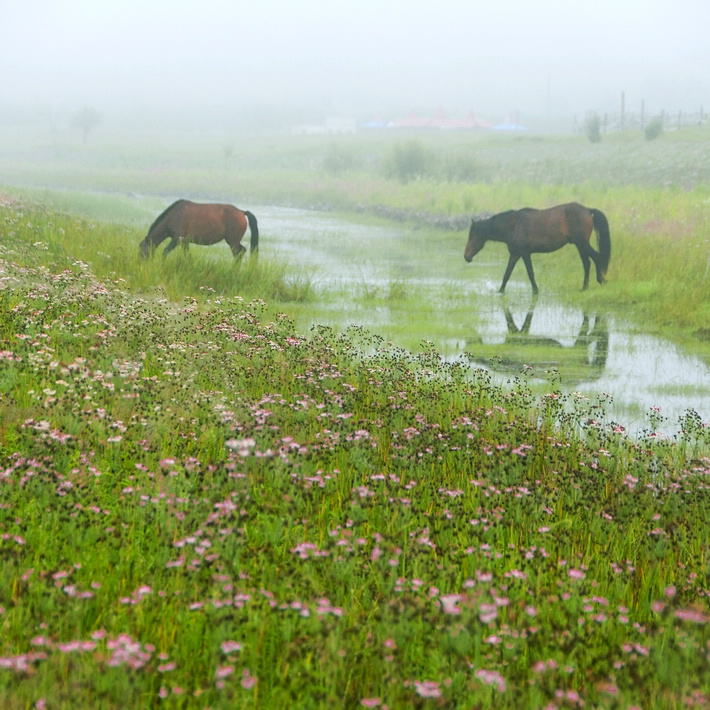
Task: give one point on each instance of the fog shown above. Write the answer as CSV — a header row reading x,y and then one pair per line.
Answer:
x,y
267,62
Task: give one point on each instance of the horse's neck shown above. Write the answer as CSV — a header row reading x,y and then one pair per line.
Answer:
x,y
500,230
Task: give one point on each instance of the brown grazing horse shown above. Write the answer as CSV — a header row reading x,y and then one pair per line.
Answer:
x,y
186,222
528,231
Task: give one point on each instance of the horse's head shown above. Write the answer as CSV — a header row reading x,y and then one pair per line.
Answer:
x,y
475,243
145,248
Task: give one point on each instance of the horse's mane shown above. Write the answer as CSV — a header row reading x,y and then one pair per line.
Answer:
x,y
162,214
504,221
503,215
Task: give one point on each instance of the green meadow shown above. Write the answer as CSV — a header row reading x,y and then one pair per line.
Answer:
x,y
204,506
655,193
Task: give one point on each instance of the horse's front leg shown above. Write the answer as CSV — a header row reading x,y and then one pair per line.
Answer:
x,y
171,246
512,261
531,273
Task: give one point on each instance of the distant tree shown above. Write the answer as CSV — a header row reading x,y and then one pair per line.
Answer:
x,y
337,160
461,168
85,119
653,129
410,160
594,124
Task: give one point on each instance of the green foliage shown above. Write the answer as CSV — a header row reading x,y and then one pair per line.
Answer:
x,y
461,168
337,160
409,160
653,129
593,127
86,119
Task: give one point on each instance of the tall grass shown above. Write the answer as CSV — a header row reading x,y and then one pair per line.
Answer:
x,y
111,249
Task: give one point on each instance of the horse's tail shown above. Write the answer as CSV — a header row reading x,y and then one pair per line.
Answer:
x,y
601,227
253,229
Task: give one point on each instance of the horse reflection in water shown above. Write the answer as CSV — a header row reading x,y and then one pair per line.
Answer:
x,y
189,222
583,361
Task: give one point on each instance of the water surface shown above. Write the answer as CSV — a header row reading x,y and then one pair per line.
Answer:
x,y
409,285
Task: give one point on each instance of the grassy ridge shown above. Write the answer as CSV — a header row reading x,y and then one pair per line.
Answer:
x,y
111,250
202,508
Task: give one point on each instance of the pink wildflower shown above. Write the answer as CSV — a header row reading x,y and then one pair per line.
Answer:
x,y
427,689
487,612
224,671
248,680
491,678
449,603
691,615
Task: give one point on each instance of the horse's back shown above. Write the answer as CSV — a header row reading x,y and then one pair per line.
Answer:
x,y
571,214
204,222
550,229
200,223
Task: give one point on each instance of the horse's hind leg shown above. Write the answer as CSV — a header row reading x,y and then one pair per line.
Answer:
x,y
585,263
235,244
237,250
600,275
586,252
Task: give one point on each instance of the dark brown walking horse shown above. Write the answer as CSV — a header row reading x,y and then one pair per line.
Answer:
x,y
186,222
528,231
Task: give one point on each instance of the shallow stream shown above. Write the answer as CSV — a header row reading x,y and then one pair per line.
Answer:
x,y
402,284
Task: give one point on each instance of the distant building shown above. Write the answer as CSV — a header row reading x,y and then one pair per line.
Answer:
x,y
440,122
332,124
510,124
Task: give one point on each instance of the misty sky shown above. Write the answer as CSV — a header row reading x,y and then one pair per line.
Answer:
x,y
370,56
